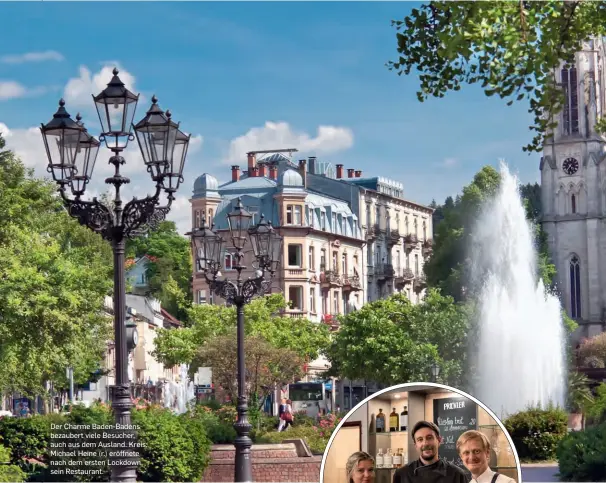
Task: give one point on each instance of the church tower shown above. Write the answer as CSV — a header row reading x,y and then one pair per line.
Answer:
x,y
573,190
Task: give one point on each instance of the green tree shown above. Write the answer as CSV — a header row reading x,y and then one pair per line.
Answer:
x,y
392,341
55,274
445,269
267,366
509,48
169,274
263,317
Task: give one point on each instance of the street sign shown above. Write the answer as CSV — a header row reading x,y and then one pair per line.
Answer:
x,y
204,376
204,390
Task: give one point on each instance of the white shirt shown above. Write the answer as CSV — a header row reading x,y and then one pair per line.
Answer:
x,y
486,477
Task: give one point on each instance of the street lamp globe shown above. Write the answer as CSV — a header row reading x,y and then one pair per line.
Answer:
x,y
435,371
62,137
156,134
266,245
173,176
85,161
208,246
239,221
116,106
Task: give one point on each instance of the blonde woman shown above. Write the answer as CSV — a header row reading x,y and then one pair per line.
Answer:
x,y
360,468
474,449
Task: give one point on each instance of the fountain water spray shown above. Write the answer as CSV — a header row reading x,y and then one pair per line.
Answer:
x,y
177,395
521,359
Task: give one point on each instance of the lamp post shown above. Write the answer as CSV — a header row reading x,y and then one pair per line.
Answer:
x,y
435,371
267,251
72,153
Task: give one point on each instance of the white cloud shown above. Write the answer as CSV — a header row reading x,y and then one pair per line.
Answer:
x,y
79,90
11,90
15,90
32,57
279,135
449,162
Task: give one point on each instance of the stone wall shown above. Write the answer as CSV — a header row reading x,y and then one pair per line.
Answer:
x,y
286,462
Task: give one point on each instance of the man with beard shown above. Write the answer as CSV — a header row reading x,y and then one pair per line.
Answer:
x,y
474,450
429,468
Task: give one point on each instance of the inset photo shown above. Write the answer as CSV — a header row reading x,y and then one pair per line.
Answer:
x,y
420,433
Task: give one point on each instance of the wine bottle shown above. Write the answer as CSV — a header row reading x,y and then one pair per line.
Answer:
x,y
380,422
379,459
397,459
404,419
393,420
388,459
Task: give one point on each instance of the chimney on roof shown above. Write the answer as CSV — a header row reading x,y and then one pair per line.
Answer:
x,y
303,171
252,161
273,172
262,170
235,173
253,172
339,171
312,165
350,173
358,173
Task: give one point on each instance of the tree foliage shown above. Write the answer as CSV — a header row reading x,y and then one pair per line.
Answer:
x,y
55,274
169,273
392,341
446,268
510,48
263,318
267,366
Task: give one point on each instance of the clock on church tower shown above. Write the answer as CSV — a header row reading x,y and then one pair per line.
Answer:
x,y
570,166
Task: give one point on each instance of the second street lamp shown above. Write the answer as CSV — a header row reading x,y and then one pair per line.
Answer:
x,y
209,254
72,152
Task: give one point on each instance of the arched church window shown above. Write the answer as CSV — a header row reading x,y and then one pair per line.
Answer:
x,y
570,112
575,288
573,201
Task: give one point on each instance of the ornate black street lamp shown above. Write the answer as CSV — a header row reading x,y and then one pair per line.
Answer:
x,y
72,152
435,371
267,251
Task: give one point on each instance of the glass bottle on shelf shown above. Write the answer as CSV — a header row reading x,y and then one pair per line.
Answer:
x,y
380,422
379,459
393,420
388,459
404,457
404,419
397,459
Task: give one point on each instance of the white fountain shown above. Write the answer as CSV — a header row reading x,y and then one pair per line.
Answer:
x,y
177,395
521,359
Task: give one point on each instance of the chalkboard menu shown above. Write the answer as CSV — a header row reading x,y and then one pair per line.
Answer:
x,y
454,416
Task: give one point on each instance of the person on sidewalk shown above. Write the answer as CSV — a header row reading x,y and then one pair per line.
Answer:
x,y
287,415
474,449
281,411
429,468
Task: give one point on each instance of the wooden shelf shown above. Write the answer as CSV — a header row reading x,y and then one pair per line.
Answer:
x,y
388,432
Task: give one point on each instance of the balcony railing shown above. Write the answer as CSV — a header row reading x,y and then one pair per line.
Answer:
x,y
331,277
404,277
393,237
352,282
420,282
410,241
385,270
427,247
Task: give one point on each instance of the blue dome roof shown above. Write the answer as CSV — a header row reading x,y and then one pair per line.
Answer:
x,y
204,183
290,177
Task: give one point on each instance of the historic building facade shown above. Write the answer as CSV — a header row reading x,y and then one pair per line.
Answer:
x,y
321,273
573,187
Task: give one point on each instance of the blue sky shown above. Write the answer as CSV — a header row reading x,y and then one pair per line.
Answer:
x,y
245,76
